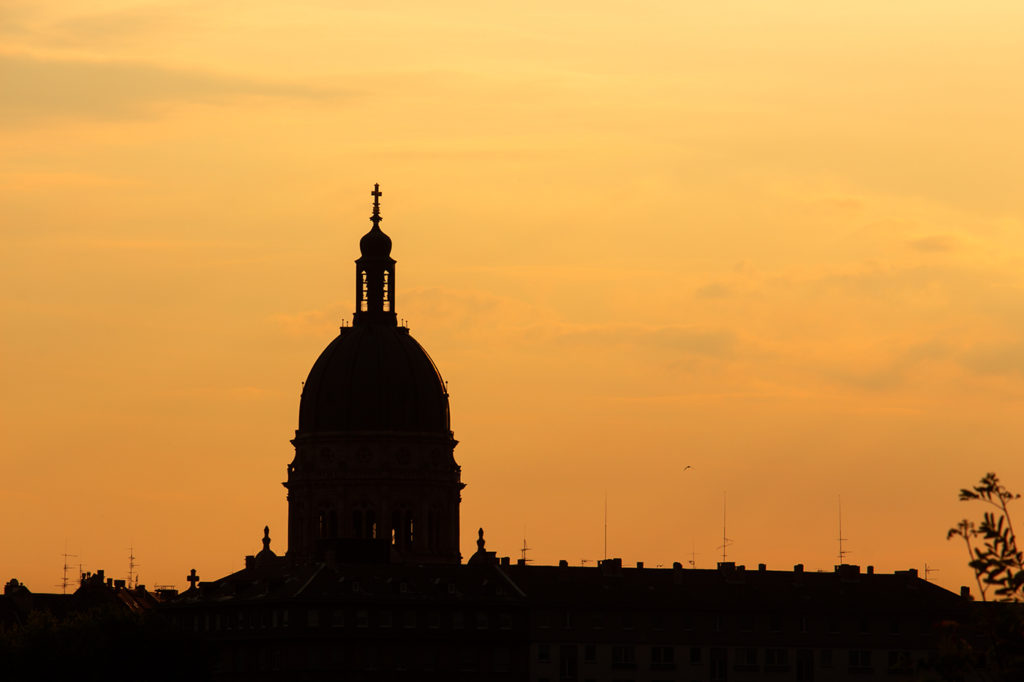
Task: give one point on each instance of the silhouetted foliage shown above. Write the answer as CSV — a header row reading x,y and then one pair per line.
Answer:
x,y
996,561
106,643
996,649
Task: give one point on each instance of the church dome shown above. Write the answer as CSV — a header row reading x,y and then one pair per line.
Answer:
x,y
374,378
375,244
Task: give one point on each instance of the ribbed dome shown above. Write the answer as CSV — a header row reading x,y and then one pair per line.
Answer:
x,y
374,378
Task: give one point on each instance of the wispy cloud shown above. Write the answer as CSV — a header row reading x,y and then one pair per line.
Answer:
x,y
718,343
715,290
936,243
129,24
39,89
996,358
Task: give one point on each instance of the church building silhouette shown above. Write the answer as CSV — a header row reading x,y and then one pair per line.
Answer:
x,y
372,585
374,460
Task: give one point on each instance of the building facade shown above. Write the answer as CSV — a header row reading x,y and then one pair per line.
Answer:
x,y
374,451
372,585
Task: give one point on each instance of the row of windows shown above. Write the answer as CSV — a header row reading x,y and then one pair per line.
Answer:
x,y
330,656
624,656
341,618
403,529
772,622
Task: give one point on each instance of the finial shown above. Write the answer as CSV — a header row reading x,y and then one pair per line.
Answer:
x,y
480,540
376,194
266,538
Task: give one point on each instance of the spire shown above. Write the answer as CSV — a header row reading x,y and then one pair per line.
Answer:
x,y
375,273
376,194
482,556
375,244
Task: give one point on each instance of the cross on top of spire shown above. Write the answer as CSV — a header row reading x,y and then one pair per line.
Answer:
x,y
376,194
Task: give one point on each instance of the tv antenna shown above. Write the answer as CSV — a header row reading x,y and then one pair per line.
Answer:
x,y
725,541
523,550
842,552
131,567
64,580
928,571
693,555
606,524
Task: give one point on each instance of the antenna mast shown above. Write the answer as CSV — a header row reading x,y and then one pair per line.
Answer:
x,y
606,524
131,566
523,549
725,541
842,553
64,580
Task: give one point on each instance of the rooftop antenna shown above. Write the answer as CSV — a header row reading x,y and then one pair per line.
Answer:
x,y
131,566
64,580
928,571
523,550
606,524
725,541
842,552
693,554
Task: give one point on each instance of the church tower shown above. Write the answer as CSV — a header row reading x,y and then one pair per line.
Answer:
x,y
374,452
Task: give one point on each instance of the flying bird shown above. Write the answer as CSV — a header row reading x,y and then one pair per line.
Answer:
x,y
687,467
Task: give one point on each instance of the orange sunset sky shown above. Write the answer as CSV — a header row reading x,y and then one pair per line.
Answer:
x,y
780,242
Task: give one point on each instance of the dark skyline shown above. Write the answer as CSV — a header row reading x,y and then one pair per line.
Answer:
x,y
780,244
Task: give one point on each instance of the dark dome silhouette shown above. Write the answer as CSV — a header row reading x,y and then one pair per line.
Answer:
x,y
375,244
374,378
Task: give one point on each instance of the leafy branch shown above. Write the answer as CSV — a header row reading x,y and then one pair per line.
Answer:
x,y
992,544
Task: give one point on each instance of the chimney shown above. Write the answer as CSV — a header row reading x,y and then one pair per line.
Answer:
x,y
799,568
965,592
563,563
761,568
871,570
505,561
676,565
913,572
639,564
